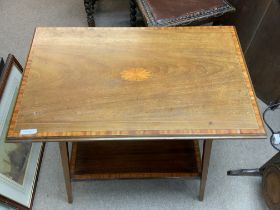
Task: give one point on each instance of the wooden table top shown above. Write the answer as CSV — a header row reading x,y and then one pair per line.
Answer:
x,y
102,83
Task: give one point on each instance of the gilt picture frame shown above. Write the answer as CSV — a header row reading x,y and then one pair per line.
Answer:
x,y
19,163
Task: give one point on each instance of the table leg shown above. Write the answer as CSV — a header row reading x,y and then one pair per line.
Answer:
x,y
66,170
89,7
207,146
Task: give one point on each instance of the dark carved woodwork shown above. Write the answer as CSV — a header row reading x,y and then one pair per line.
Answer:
x,y
89,7
158,13
257,24
132,12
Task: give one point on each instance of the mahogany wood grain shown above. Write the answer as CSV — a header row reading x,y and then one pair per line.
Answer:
x,y
135,159
83,83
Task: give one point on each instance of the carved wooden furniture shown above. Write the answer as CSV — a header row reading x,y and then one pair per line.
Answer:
x,y
271,182
133,113
256,22
180,12
89,7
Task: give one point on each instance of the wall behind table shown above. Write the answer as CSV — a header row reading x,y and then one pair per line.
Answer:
x,y
258,27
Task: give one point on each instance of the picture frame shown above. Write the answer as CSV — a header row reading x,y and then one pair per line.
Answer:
x,y
19,162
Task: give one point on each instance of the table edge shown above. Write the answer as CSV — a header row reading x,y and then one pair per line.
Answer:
x,y
134,138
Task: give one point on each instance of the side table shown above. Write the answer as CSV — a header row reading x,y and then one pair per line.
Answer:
x,y
135,101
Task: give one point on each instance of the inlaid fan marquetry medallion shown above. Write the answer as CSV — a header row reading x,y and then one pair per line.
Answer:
x,y
135,74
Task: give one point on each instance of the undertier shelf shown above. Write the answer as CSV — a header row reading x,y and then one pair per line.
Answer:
x,y
135,159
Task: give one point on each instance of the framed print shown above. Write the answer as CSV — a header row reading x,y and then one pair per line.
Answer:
x,y
19,162
6,207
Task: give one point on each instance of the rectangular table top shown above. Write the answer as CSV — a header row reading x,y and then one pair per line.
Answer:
x,y
104,83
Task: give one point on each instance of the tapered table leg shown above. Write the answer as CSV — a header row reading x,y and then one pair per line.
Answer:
x,y
207,146
66,170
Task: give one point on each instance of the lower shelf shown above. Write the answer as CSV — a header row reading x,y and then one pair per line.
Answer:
x,y
135,159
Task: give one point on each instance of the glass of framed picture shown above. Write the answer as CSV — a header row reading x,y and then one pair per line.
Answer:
x,y
19,162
